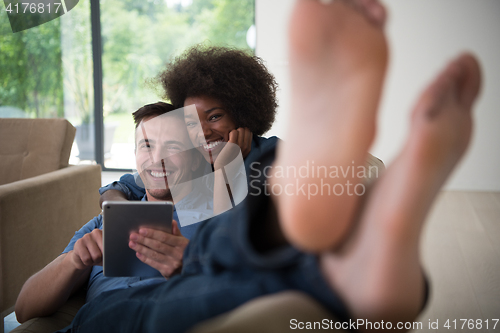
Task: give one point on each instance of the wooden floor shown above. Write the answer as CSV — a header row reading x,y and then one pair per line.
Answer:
x,y
461,254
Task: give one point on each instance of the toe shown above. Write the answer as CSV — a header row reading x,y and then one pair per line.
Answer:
x,y
376,12
470,81
379,13
428,106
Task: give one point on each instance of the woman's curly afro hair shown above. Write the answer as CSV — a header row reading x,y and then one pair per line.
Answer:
x,y
236,79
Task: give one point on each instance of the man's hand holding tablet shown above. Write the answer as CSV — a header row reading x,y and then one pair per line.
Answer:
x,y
140,239
160,250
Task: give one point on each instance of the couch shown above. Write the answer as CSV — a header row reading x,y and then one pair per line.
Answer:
x,y
43,199
267,314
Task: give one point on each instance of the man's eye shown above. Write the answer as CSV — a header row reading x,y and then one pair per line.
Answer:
x,y
191,124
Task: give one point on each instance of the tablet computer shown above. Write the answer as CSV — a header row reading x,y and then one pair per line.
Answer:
x,y
120,219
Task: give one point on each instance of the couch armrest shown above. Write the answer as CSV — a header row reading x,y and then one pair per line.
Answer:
x,y
56,321
38,217
274,313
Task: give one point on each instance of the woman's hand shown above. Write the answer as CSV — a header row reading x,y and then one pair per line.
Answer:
x,y
243,138
239,138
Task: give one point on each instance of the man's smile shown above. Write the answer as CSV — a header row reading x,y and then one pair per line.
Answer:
x,y
159,174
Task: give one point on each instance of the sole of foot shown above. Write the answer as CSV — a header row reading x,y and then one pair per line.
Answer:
x,y
338,60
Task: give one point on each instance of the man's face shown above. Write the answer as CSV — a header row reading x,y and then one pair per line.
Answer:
x,y
164,157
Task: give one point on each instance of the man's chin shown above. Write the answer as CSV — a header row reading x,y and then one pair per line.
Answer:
x,y
159,194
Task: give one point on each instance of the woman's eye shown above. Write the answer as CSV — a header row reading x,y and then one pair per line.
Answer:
x,y
214,117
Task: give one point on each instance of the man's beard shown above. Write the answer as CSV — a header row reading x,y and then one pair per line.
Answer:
x,y
160,194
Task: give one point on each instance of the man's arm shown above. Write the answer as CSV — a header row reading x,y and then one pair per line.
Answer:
x,y
47,290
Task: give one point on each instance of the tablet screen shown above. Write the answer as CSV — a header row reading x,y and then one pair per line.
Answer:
x,y
120,219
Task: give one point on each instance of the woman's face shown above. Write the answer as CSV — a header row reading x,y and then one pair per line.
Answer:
x,y
208,125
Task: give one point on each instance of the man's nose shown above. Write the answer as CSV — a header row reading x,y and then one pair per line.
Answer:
x,y
158,154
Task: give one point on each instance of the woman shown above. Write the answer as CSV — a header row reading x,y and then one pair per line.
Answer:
x,y
235,101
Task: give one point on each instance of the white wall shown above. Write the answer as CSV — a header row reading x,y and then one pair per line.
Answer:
x,y
423,35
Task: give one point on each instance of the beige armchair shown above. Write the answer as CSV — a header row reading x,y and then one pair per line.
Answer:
x,y
43,200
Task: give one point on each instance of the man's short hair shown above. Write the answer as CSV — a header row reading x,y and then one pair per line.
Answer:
x,y
151,110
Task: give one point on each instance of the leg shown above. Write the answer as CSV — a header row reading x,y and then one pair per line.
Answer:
x,y
377,272
338,53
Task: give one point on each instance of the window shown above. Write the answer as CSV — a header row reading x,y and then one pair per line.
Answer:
x,y
139,37
48,71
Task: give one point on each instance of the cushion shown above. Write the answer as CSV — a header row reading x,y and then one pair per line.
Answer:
x,y
31,147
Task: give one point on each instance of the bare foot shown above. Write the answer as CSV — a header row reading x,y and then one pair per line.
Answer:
x,y
378,272
338,58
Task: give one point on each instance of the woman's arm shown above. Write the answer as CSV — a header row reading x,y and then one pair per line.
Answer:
x,y
112,195
124,189
227,166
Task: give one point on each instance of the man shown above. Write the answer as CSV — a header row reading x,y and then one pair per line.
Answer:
x,y
161,140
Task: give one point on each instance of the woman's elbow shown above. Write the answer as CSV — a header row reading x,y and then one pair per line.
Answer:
x,y
20,311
